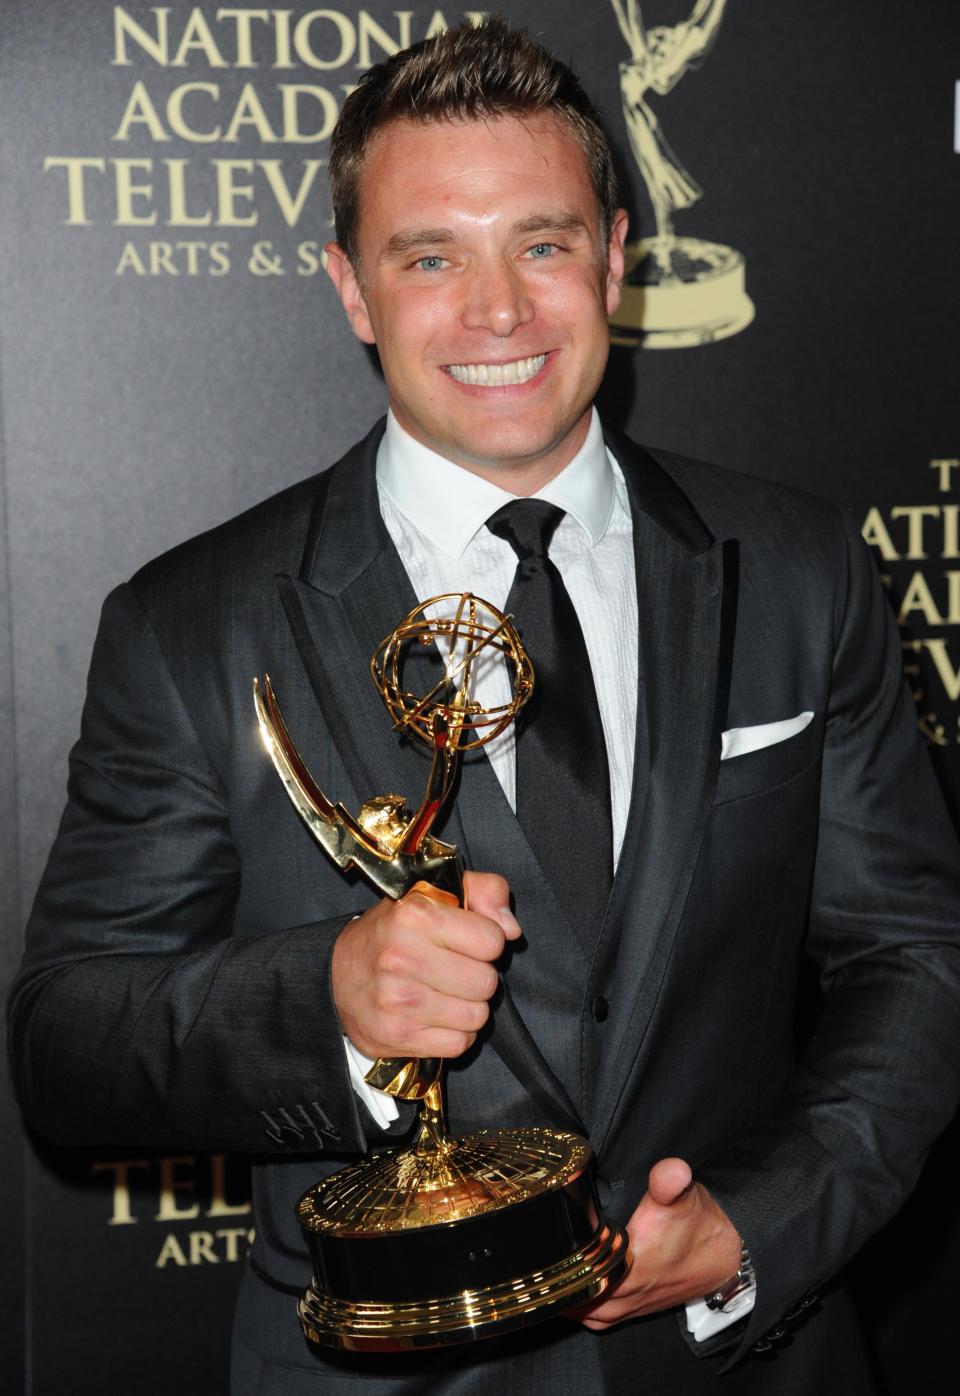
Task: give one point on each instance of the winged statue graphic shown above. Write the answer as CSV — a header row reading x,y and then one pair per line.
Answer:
x,y
679,291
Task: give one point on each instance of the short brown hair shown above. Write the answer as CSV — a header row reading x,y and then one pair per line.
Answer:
x,y
470,72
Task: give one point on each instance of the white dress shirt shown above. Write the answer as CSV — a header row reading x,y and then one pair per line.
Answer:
x,y
435,513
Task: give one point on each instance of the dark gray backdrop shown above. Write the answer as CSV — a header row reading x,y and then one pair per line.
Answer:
x,y
137,409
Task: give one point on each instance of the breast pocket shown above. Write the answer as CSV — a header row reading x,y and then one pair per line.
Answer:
x,y
743,776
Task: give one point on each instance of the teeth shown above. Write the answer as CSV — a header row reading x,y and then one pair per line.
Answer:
x,y
498,375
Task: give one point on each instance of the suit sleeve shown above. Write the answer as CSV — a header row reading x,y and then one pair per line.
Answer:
x,y
878,1082
137,1017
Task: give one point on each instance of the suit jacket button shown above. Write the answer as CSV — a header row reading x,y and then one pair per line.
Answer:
x,y
600,1008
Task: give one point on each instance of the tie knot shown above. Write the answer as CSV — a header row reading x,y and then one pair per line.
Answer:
x,y
527,525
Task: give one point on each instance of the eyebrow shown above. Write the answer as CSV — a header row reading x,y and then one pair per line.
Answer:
x,y
403,242
417,237
550,222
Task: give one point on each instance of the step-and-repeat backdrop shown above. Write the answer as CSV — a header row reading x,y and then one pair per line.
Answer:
x,y
171,352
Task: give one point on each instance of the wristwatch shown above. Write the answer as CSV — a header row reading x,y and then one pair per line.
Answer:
x,y
745,1279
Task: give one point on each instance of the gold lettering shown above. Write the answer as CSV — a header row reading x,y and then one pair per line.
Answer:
x,y
875,533
197,35
309,259
249,112
140,111
244,20
124,25
290,207
75,166
281,28
915,514
179,217
953,597
219,258
193,250
171,1250
950,539
130,261
170,1184
949,677
322,38
231,1236
917,597
944,468
228,192
201,1248
140,183
175,116
122,1215
368,28
304,48
438,23
290,93
219,1206
127,191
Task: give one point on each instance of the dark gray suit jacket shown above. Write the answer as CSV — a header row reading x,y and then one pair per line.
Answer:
x,y
175,990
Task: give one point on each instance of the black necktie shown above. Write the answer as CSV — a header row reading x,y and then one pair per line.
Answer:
x,y
563,783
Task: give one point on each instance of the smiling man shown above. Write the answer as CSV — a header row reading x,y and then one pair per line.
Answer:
x,y
722,777
484,269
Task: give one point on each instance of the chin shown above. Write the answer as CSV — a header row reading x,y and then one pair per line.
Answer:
x,y
503,454
509,443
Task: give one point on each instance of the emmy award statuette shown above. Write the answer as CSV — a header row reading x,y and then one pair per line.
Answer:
x,y
677,291
451,1239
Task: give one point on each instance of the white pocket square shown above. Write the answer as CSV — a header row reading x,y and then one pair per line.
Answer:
x,y
739,740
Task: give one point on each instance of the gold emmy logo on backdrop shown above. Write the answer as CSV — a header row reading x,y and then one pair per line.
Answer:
x,y
678,291
452,1239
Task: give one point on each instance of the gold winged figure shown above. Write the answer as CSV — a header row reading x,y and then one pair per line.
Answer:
x,y
661,56
678,291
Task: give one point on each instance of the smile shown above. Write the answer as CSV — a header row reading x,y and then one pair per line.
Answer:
x,y
498,375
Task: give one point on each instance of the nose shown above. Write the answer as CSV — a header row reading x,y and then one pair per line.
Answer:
x,y
496,299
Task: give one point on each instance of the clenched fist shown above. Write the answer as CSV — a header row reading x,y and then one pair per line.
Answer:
x,y
414,978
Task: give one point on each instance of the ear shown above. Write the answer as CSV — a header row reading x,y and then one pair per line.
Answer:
x,y
341,272
615,260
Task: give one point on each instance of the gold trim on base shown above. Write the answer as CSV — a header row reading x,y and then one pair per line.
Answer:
x,y
470,1314
474,1175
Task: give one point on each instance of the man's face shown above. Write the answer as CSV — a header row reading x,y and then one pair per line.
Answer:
x,y
486,284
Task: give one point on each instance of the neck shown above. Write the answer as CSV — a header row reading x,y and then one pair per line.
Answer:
x,y
520,476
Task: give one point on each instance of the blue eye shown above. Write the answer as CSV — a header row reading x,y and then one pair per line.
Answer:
x,y
541,250
430,263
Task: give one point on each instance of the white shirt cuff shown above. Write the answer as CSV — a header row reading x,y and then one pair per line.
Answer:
x,y
703,1323
382,1107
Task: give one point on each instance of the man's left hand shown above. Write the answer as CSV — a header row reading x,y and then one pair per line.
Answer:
x,y
682,1246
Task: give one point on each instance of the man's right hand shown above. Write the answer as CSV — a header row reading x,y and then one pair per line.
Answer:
x,y
414,978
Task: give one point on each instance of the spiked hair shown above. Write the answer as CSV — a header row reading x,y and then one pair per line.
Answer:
x,y
467,73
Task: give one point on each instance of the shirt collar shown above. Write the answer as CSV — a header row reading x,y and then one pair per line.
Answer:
x,y
449,505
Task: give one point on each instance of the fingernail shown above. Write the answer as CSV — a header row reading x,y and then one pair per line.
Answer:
x,y
508,922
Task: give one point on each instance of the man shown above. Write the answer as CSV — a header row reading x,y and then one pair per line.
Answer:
x,y
198,975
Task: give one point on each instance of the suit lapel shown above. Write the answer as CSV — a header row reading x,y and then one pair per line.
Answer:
x,y
351,591
686,585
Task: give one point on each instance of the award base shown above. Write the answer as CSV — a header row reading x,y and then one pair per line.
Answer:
x,y
680,292
489,1233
